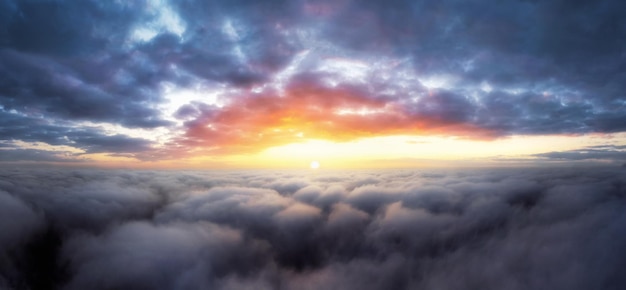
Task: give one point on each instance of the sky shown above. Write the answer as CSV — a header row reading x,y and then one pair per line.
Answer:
x,y
352,84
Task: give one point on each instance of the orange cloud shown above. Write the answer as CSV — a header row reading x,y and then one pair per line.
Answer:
x,y
308,110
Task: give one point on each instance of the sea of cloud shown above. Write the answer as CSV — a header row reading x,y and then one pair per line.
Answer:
x,y
536,228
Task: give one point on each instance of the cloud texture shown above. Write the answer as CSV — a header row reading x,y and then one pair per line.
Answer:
x,y
445,229
139,78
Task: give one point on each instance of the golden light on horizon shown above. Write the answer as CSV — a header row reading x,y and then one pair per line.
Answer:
x,y
400,151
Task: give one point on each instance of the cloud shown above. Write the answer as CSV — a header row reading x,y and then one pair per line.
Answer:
x,y
463,69
34,129
313,110
13,155
20,224
16,232
41,86
443,229
607,153
149,256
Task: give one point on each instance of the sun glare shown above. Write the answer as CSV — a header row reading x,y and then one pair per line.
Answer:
x,y
315,165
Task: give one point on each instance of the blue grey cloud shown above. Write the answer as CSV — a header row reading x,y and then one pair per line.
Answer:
x,y
514,67
606,153
31,129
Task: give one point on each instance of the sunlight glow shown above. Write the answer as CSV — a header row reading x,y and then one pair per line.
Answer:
x,y
407,151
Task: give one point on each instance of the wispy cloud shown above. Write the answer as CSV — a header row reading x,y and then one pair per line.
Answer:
x,y
607,153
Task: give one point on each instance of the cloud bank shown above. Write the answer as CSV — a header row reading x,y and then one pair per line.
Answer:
x,y
603,152
411,229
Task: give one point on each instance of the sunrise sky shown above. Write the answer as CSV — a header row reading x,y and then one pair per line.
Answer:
x,y
280,84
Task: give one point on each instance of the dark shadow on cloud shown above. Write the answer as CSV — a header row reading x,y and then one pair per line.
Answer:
x,y
444,229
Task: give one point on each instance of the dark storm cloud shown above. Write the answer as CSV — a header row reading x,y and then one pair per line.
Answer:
x,y
491,229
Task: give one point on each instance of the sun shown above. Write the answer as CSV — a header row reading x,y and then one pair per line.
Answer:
x,y
315,165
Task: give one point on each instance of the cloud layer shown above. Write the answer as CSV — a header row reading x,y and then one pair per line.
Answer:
x,y
445,229
339,70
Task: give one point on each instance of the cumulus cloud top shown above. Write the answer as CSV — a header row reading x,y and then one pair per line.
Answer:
x,y
446,229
